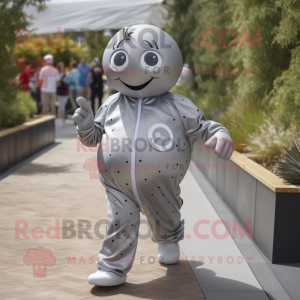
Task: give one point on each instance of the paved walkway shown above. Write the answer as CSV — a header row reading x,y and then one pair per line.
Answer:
x,y
54,190
221,269
55,186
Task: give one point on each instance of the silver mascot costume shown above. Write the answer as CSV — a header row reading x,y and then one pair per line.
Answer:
x,y
148,130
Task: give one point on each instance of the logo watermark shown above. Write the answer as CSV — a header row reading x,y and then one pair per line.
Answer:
x,y
39,258
66,229
244,37
94,39
209,260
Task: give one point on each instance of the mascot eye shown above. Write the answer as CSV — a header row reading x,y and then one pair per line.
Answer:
x,y
151,60
119,60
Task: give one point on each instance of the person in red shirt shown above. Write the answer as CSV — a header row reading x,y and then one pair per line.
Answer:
x,y
22,80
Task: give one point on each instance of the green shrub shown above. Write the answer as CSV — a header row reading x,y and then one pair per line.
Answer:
x,y
271,50
289,167
286,92
258,63
14,108
211,106
68,49
184,89
27,103
269,139
17,111
242,118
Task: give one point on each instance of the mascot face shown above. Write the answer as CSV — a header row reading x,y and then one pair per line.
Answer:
x,y
142,61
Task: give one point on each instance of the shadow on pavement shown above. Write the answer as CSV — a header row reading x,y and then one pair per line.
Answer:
x,y
174,282
34,168
27,161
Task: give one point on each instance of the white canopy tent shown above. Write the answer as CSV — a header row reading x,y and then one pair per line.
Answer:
x,y
80,15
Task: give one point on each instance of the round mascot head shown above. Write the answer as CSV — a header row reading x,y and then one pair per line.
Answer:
x,y
142,61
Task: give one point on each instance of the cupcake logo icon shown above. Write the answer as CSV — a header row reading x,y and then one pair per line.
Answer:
x,y
39,258
94,165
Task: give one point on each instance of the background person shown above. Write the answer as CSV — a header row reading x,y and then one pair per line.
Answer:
x,y
72,79
83,70
22,80
49,80
62,94
73,103
96,83
37,90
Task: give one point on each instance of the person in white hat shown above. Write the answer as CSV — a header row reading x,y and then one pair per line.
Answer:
x,y
49,80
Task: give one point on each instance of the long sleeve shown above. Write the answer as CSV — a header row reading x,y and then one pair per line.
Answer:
x,y
92,136
67,79
194,121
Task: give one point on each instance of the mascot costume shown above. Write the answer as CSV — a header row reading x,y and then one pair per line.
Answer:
x,y
148,130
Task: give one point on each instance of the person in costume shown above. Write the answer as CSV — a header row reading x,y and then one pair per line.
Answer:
x,y
145,134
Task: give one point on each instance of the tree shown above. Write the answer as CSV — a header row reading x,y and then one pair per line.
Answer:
x,y
249,54
12,19
286,92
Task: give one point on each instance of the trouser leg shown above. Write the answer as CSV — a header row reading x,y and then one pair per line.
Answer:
x,y
83,92
93,96
120,242
100,95
86,93
72,100
62,100
163,215
74,95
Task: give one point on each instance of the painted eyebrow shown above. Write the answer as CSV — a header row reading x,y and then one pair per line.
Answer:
x,y
120,43
150,44
155,44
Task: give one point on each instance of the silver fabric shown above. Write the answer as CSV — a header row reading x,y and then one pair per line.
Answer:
x,y
168,124
122,228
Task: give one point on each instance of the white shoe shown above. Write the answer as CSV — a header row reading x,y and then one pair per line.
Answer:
x,y
106,278
168,253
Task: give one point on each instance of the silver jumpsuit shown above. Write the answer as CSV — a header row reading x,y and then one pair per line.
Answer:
x,y
143,178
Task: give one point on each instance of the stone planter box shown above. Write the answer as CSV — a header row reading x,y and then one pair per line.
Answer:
x,y
22,141
257,196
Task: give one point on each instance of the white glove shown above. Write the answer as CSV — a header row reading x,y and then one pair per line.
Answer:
x,y
222,143
83,116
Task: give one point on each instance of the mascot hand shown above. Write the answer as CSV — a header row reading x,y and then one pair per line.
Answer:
x,y
222,143
83,116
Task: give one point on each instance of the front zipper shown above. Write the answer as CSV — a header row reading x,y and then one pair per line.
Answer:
x,y
133,181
